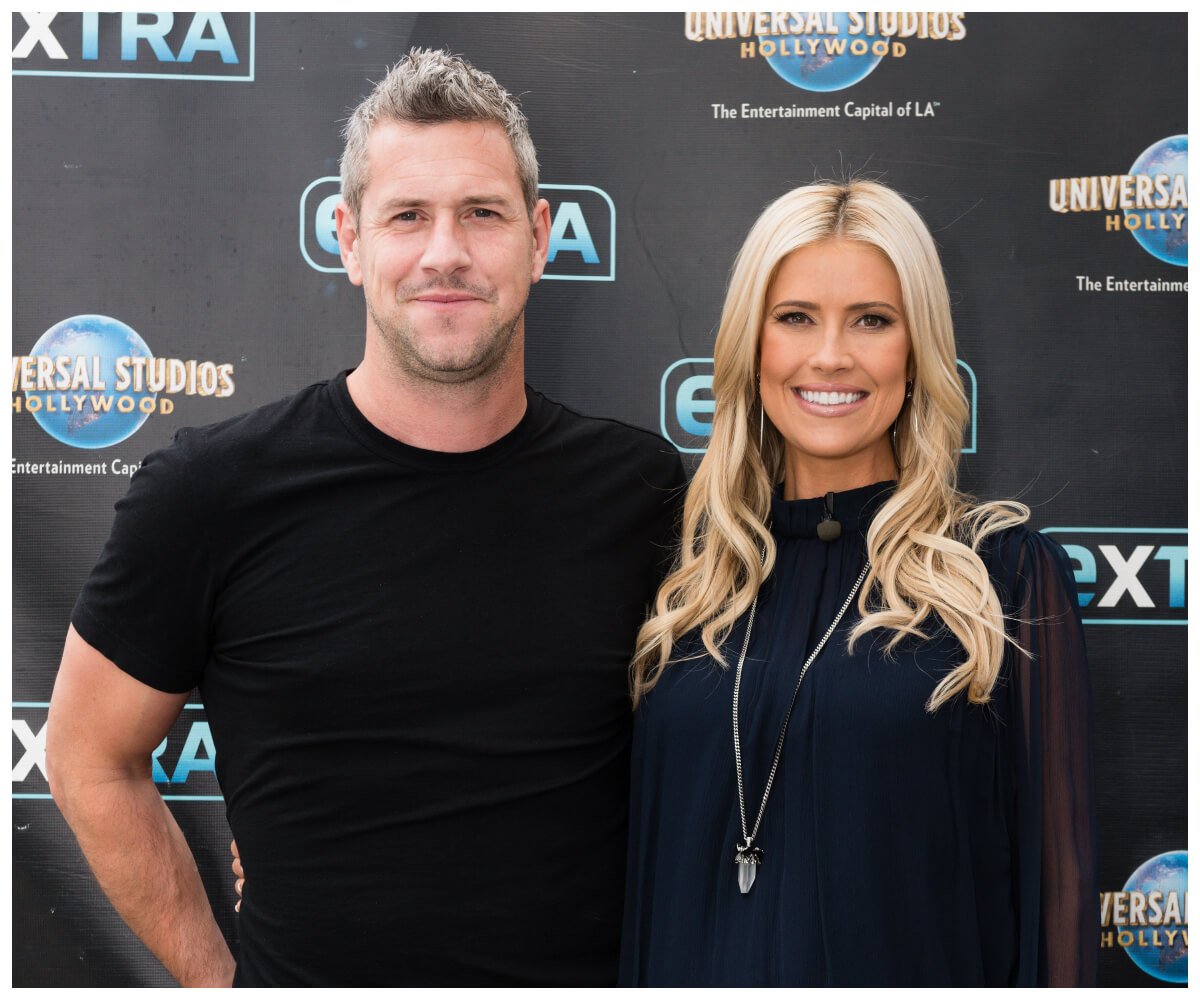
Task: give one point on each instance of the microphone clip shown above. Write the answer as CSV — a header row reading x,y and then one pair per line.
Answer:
x,y
830,529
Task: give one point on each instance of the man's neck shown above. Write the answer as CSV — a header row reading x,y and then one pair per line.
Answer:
x,y
450,417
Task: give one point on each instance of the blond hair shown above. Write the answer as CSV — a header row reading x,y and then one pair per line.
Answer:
x,y
923,542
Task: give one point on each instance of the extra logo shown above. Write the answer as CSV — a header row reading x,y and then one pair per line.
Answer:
x,y
685,405
162,46
1128,576
1150,200
1149,917
583,231
823,51
183,765
91,381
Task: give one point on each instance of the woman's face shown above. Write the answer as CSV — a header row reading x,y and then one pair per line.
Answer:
x,y
834,359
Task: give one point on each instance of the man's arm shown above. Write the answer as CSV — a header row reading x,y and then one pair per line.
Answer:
x,y
102,728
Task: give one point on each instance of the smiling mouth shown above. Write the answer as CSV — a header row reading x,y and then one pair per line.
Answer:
x,y
829,398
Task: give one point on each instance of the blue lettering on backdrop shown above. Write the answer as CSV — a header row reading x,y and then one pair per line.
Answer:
x,y
134,30
1122,573
219,42
199,737
1176,555
131,44
91,35
570,214
1085,571
685,404
318,225
588,214
325,225
689,404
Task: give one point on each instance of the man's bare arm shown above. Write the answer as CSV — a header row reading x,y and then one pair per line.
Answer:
x,y
102,728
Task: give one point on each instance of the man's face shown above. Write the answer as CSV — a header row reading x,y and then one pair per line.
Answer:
x,y
444,247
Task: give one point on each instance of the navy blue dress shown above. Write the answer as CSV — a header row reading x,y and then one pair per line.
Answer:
x,y
899,847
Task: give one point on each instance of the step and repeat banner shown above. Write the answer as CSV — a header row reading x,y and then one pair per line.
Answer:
x,y
174,264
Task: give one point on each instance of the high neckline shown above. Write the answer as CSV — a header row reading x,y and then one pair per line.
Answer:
x,y
853,508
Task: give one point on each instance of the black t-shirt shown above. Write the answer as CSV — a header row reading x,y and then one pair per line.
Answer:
x,y
414,667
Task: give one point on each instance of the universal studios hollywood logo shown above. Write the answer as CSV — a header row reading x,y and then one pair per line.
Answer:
x,y
824,50
91,381
1148,917
1149,200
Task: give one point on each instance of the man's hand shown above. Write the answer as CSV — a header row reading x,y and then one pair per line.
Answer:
x,y
241,875
102,728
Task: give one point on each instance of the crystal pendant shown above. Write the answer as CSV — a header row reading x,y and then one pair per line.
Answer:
x,y
746,872
747,859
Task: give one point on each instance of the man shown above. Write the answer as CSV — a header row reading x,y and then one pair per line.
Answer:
x,y
408,597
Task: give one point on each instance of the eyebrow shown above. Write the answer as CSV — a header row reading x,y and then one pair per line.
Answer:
x,y
853,307
400,201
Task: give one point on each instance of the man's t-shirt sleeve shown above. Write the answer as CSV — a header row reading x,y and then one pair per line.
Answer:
x,y
147,605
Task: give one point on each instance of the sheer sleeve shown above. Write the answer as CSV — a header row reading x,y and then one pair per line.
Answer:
x,y
1052,734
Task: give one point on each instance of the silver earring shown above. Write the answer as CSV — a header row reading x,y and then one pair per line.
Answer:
x,y
908,391
912,431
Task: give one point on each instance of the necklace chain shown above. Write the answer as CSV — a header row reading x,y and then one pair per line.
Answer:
x,y
748,836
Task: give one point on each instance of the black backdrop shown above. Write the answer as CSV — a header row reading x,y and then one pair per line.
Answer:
x,y
171,176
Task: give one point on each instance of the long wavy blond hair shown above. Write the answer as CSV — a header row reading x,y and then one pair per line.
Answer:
x,y
923,542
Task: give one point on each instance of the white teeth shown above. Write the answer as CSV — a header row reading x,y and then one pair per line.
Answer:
x,y
830,398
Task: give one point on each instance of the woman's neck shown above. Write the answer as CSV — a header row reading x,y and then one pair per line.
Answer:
x,y
807,476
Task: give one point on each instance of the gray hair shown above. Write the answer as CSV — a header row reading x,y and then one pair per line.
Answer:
x,y
429,87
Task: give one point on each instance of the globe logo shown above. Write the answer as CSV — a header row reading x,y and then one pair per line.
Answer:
x,y
97,413
1170,157
1147,939
834,64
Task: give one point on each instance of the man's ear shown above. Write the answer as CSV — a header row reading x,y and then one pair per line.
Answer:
x,y
347,237
541,237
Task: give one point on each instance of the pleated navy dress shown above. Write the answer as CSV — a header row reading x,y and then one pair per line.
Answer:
x,y
899,847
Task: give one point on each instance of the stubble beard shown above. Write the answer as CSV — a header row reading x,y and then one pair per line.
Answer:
x,y
409,353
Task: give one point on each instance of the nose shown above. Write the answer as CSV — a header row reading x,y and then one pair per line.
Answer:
x,y
832,350
446,250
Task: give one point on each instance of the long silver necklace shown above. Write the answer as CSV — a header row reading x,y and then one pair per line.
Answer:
x,y
747,857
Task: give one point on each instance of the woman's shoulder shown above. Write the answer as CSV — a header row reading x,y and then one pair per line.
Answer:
x,y
1021,560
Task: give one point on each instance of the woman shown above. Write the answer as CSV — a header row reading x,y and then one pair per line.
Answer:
x,y
913,805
